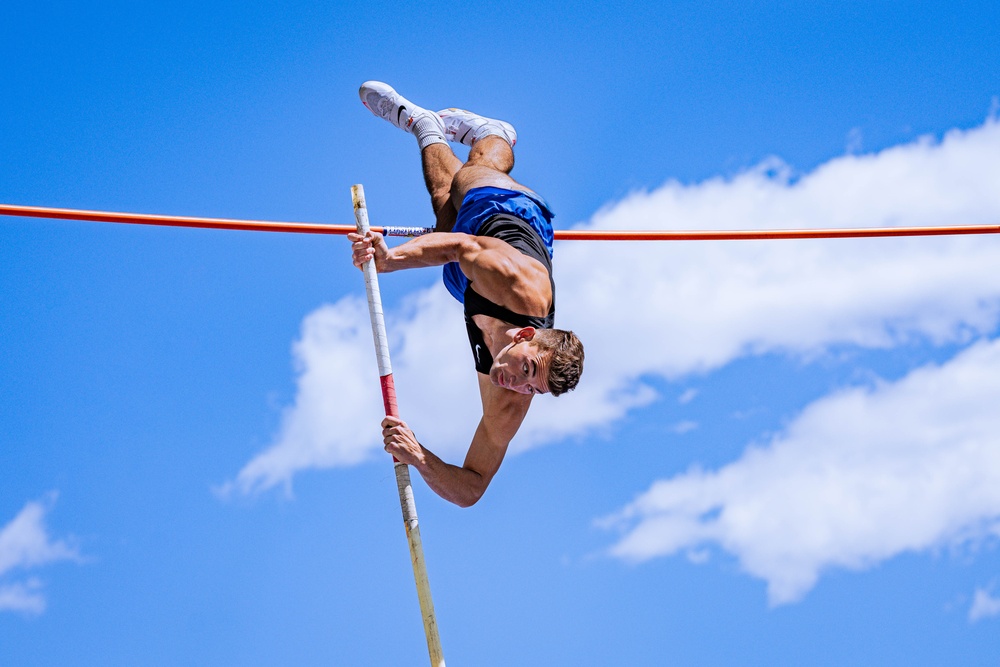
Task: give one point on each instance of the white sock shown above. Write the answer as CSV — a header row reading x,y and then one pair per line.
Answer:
x,y
428,129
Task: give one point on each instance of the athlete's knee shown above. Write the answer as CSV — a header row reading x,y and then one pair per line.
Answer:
x,y
493,152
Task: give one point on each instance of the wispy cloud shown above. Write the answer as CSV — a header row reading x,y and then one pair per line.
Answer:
x,y
672,310
680,428
23,596
688,396
984,605
858,477
26,545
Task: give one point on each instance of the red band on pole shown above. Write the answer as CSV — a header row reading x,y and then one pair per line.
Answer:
x,y
389,395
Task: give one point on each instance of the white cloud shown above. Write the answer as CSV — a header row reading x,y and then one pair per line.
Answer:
x,y
24,545
858,477
983,606
674,309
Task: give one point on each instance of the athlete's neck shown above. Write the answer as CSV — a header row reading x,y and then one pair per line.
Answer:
x,y
494,333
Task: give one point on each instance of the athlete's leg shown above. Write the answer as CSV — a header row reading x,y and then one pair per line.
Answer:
x,y
489,165
491,156
439,162
440,166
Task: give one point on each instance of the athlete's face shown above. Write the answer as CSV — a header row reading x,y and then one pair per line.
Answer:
x,y
521,366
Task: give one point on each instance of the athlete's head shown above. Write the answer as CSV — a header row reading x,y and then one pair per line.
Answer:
x,y
565,358
539,361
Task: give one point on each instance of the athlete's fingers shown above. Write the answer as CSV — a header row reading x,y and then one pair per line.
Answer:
x,y
361,250
370,239
391,421
395,433
362,255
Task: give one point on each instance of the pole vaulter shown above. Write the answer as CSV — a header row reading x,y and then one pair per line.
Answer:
x,y
406,501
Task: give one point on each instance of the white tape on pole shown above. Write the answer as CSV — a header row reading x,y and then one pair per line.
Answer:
x,y
371,288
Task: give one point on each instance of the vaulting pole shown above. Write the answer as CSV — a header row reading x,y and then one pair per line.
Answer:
x,y
406,501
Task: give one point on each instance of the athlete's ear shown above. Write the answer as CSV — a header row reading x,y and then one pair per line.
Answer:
x,y
524,333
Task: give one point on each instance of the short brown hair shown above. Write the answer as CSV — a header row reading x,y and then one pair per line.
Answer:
x,y
565,358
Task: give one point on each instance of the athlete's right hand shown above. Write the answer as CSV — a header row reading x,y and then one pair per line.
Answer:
x,y
401,442
370,246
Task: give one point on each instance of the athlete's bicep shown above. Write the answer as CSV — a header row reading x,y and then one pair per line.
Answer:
x,y
479,257
504,275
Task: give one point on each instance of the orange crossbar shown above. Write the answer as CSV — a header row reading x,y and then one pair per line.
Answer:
x,y
770,234
560,234
173,220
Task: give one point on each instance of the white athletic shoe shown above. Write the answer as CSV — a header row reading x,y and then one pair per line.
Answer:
x,y
384,102
467,128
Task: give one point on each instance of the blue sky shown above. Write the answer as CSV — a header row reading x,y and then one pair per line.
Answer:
x,y
780,453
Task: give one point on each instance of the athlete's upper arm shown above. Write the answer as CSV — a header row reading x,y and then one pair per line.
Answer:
x,y
503,274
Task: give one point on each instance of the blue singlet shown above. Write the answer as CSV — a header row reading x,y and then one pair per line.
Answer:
x,y
479,205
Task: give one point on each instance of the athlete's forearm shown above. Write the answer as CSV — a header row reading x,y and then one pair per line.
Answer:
x,y
462,486
456,485
432,249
